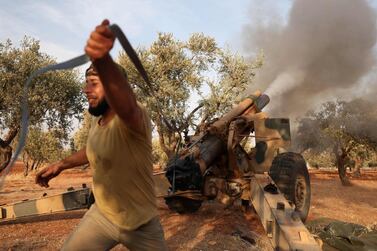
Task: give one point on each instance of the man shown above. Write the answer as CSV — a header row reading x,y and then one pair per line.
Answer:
x,y
119,151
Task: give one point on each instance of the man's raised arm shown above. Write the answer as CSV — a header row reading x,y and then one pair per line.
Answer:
x,y
118,92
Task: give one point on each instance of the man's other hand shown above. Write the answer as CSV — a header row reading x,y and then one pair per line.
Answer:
x,y
46,174
100,42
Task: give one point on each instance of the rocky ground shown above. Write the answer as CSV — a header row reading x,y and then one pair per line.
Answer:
x,y
211,228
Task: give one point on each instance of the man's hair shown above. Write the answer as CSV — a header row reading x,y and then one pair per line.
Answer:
x,y
93,71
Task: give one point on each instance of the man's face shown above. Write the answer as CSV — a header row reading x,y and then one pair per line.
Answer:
x,y
96,96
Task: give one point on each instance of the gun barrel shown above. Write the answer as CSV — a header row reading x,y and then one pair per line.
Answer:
x,y
257,98
262,101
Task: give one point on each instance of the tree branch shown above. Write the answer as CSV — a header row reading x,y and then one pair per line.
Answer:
x,y
185,125
161,138
10,136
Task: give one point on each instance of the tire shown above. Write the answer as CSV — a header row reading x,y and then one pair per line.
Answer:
x,y
290,174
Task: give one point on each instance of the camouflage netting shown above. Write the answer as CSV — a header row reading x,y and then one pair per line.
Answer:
x,y
343,235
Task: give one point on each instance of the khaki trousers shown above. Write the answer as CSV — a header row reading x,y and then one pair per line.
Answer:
x,y
95,232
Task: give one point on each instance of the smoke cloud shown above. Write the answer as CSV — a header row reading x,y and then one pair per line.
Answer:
x,y
323,51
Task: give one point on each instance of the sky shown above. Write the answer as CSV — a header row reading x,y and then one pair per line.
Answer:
x,y
63,26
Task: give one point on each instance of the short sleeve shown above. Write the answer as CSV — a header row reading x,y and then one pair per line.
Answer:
x,y
146,133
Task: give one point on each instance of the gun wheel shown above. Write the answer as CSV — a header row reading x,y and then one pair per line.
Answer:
x,y
300,192
291,175
183,205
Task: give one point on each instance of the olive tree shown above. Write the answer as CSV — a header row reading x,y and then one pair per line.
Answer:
x,y
346,128
54,98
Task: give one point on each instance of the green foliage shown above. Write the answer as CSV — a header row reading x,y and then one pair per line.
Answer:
x,y
42,147
319,159
54,98
235,75
159,157
179,70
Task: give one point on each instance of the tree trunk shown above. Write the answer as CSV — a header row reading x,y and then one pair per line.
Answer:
x,y
5,148
34,163
358,163
5,157
165,146
25,159
38,165
340,155
343,174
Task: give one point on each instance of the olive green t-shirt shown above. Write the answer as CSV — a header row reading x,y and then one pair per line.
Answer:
x,y
121,159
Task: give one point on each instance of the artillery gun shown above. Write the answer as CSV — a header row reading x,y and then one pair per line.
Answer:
x,y
218,163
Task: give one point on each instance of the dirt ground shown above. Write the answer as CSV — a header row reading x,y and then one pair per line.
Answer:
x,y
211,228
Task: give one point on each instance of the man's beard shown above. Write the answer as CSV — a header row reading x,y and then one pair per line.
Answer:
x,y
100,109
